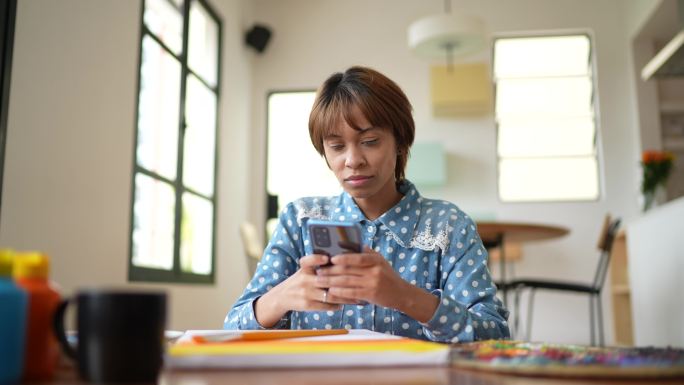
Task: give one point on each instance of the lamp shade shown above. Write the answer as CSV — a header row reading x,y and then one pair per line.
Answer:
x,y
433,36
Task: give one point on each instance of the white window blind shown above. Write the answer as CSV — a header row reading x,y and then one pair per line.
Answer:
x,y
546,123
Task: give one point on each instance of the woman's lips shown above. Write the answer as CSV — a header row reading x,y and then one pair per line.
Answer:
x,y
358,180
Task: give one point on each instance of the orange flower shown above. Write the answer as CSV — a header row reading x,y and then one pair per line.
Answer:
x,y
656,167
652,156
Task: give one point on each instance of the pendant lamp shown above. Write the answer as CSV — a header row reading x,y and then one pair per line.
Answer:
x,y
448,35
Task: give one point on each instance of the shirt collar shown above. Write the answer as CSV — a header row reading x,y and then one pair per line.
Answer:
x,y
347,210
402,219
393,219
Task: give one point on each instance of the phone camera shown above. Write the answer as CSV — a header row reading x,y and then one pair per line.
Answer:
x,y
321,237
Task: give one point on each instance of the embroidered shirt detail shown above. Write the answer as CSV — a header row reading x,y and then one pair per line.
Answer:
x,y
424,240
395,237
315,212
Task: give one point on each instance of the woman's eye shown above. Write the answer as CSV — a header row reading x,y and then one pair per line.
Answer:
x,y
336,147
370,142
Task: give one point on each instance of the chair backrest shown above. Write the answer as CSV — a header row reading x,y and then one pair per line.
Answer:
x,y
250,241
605,245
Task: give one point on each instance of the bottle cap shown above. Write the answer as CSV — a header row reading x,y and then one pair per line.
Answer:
x,y
6,262
31,265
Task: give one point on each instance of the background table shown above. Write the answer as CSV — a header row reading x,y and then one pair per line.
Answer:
x,y
495,233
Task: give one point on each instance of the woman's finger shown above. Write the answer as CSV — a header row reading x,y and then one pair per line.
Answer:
x,y
312,261
320,306
325,281
323,296
353,294
341,300
358,260
341,270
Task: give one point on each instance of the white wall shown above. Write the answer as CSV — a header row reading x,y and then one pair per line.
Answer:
x,y
655,275
636,12
67,185
313,39
644,22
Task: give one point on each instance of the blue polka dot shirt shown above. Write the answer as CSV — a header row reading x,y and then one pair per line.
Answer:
x,y
429,243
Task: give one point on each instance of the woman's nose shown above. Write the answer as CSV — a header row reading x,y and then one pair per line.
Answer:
x,y
354,157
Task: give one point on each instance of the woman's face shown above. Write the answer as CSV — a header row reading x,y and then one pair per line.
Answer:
x,y
363,160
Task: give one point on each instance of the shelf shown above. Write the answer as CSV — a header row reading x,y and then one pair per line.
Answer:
x,y
620,289
620,292
672,106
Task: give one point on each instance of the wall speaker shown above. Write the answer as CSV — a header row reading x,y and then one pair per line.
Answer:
x,y
257,37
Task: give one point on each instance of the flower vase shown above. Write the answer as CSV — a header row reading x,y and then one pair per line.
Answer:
x,y
649,198
654,198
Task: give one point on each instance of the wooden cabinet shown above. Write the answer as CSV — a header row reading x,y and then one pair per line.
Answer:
x,y
620,292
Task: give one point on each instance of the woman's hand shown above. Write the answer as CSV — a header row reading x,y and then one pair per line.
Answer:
x,y
299,292
367,276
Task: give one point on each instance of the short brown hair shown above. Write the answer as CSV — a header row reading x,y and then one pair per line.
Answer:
x,y
379,99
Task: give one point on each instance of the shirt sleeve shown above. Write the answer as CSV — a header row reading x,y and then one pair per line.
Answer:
x,y
468,308
279,261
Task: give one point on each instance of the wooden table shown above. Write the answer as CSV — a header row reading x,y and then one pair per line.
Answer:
x,y
351,376
495,233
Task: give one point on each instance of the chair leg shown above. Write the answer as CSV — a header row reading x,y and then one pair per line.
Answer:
x,y
528,333
600,319
591,319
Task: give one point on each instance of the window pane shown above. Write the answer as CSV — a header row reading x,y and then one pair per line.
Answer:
x,y
196,234
295,169
549,179
544,97
165,22
203,43
542,56
153,223
553,137
546,127
200,115
158,110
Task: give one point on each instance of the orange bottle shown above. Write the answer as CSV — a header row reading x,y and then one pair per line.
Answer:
x,y
42,350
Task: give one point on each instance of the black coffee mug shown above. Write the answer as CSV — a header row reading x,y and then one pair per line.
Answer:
x,y
120,334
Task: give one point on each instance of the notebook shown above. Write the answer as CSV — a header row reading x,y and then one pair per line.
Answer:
x,y
358,348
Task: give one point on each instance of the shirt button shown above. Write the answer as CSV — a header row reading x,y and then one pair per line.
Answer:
x,y
371,229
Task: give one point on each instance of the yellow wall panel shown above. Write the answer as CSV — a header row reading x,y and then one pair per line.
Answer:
x,y
462,90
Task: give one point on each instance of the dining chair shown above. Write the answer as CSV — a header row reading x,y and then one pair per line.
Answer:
x,y
593,289
252,244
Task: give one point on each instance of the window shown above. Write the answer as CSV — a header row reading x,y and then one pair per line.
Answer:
x,y
294,168
546,119
174,202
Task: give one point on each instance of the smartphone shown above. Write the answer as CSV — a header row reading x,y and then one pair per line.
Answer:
x,y
332,238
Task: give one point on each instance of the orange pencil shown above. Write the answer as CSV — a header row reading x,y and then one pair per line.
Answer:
x,y
266,335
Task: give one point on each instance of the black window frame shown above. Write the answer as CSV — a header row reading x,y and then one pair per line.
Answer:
x,y
8,15
176,275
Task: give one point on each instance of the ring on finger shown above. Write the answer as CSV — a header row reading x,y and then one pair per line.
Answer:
x,y
325,296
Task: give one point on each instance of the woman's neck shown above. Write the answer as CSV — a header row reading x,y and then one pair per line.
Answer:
x,y
373,207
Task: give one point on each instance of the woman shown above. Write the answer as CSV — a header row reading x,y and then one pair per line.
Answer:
x,y
422,272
